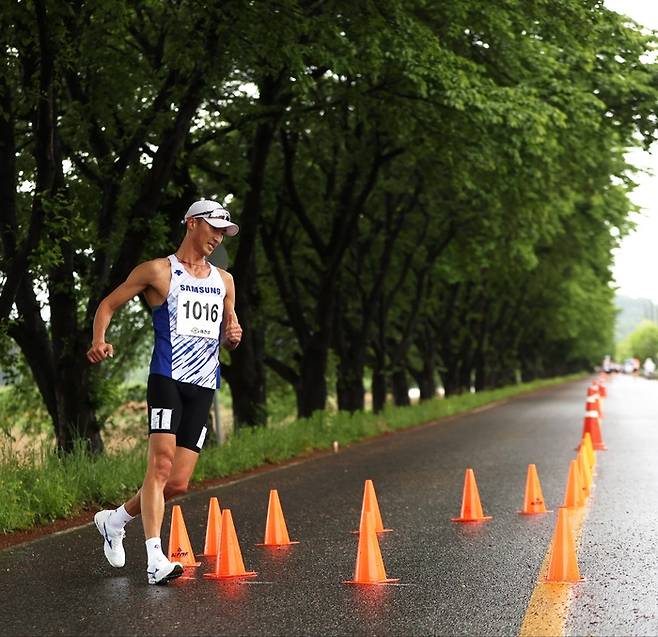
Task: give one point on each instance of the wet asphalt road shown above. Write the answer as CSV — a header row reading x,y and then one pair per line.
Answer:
x,y
455,579
619,543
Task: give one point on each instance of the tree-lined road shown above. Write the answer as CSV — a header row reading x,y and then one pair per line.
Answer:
x,y
454,579
425,195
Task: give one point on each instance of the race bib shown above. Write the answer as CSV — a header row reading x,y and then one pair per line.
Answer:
x,y
199,314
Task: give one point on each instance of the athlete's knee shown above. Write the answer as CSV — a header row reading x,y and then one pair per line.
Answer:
x,y
160,467
174,488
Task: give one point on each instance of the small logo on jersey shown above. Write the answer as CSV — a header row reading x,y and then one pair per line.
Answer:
x,y
178,272
201,289
199,330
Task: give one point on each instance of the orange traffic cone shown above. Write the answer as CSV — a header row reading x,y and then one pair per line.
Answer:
x,y
534,499
370,504
180,549
229,562
599,405
213,529
573,496
585,473
591,425
563,566
276,531
369,567
589,450
603,391
592,404
471,508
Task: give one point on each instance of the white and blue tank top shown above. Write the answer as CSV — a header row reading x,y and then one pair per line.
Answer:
x,y
187,328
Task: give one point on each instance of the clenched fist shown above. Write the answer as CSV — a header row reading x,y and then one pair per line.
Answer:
x,y
99,352
232,331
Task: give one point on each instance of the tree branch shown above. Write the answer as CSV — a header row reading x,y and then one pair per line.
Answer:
x,y
284,371
297,205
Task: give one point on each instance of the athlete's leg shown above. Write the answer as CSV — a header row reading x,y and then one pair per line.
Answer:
x,y
190,436
134,505
181,471
161,453
182,410
184,462
165,411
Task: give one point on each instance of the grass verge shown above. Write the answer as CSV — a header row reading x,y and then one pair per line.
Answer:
x,y
43,486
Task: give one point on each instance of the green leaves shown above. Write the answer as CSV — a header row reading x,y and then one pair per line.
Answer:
x,y
413,174
642,343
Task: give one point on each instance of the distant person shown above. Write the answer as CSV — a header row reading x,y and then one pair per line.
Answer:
x,y
649,367
636,365
193,312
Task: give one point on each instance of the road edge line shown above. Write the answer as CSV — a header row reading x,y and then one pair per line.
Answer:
x,y
548,607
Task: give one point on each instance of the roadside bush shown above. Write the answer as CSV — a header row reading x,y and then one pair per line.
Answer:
x,y
42,486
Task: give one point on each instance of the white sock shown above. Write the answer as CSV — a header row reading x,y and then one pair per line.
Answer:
x,y
154,550
119,518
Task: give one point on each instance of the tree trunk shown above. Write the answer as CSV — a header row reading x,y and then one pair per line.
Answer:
x,y
76,419
400,388
349,384
451,379
63,379
481,372
378,390
427,379
465,375
246,376
76,415
31,336
349,344
312,388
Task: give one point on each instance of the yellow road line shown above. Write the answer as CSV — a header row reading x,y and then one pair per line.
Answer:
x,y
547,610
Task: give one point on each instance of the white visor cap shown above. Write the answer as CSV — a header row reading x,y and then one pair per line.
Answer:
x,y
215,214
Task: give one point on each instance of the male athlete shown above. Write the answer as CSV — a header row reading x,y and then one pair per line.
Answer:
x,y
193,312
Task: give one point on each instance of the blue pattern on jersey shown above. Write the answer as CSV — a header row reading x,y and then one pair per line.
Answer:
x,y
161,359
189,359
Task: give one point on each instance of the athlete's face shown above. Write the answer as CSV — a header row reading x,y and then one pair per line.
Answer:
x,y
206,237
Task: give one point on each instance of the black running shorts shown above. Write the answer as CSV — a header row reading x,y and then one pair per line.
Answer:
x,y
180,409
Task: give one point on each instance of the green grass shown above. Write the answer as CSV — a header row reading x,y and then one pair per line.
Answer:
x,y
43,486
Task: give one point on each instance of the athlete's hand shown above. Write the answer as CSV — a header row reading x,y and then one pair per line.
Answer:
x,y
99,352
232,331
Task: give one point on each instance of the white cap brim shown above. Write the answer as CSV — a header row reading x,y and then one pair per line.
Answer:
x,y
231,229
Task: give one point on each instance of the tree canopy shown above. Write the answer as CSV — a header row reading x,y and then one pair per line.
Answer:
x,y
425,190
641,343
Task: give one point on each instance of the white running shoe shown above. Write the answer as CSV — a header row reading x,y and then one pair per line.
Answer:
x,y
164,571
113,540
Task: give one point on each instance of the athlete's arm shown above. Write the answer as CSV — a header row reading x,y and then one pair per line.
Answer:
x,y
138,280
231,330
